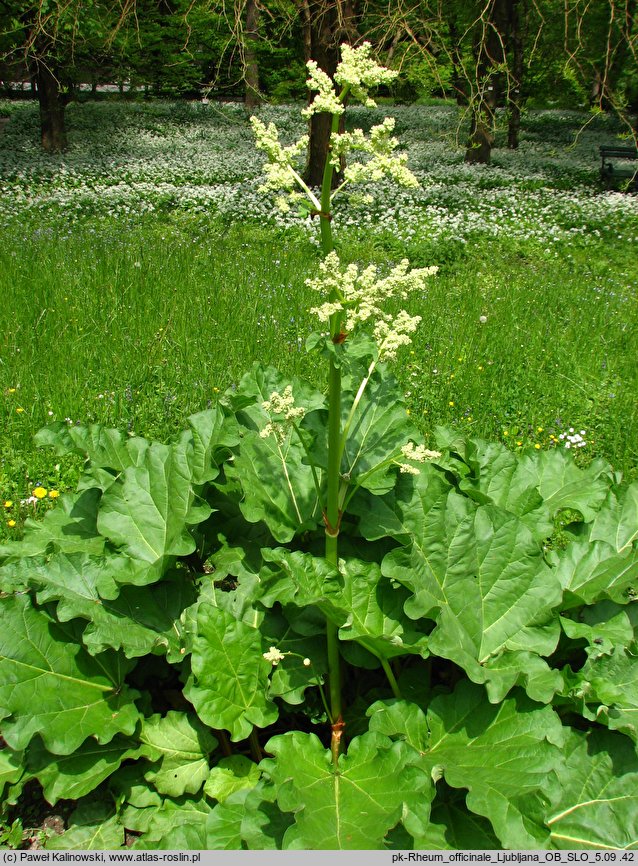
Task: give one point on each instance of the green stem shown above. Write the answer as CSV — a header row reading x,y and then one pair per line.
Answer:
x,y
332,515
255,748
396,691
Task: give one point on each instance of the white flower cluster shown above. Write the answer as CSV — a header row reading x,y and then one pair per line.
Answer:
x,y
358,72
355,74
273,655
279,170
361,294
282,405
573,439
326,99
383,161
417,453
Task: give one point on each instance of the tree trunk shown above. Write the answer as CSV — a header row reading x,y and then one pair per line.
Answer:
x,y
516,78
52,105
320,21
489,50
251,75
326,24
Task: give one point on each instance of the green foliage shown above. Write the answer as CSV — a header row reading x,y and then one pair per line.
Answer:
x,y
454,580
208,598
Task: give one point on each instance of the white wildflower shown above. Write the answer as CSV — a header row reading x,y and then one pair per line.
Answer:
x,y
307,663
273,655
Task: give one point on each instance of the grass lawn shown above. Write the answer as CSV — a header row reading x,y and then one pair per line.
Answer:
x,y
143,272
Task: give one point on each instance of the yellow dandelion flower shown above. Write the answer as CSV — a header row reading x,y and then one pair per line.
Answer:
x,y
451,403
19,409
537,446
539,429
11,523
53,494
8,503
506,432
11,391
39,492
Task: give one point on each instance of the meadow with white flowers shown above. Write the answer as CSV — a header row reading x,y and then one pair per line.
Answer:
x,y
304,614
144,270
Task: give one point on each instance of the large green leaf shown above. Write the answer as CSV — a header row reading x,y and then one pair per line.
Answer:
x,y
229,677
293,577
276,480
350,808
104,447
376,619
563,484
453,827
93,827
70,527
211,435
495,478
592,570
604,626
50,685
174,824
596,805
480,575
277,484
506,756
257,386
232,774
399,514
379,427
11,769
181,744
71,777
139,620
617,521
148,511
606,689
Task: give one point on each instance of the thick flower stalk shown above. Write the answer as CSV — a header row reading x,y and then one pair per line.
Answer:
x,y
350,298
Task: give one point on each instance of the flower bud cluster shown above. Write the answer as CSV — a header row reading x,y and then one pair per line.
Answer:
x,y
418,454
282,405
361,295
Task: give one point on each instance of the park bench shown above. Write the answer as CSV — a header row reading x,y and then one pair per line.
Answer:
x,y
615,163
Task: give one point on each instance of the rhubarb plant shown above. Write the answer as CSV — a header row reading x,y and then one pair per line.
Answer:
x,y
301,625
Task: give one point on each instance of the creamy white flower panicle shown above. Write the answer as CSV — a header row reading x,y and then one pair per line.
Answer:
x,y
359,71
282,405
361,295
279,169
356,72
326,99
383,162
417,453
